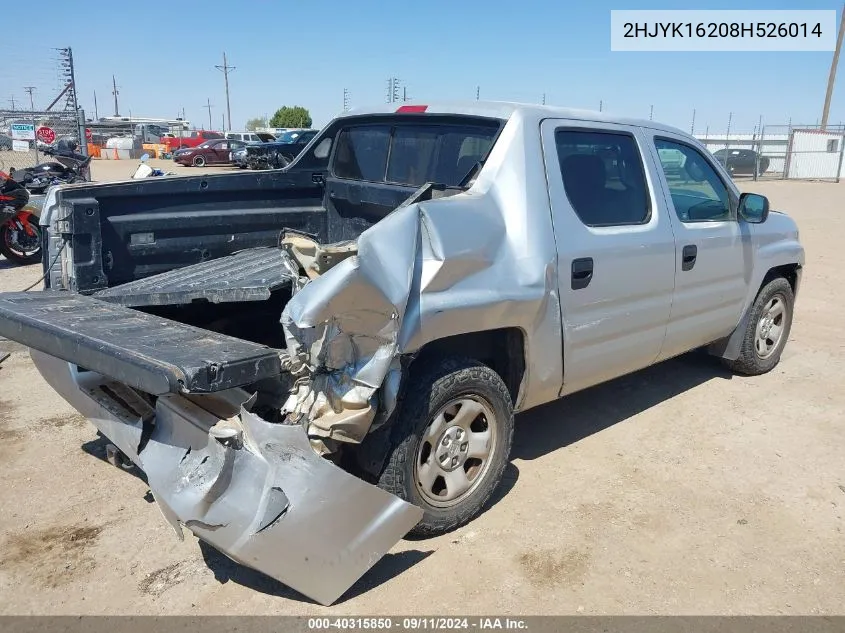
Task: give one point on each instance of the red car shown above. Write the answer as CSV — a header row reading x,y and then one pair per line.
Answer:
x,y
214,152
189,139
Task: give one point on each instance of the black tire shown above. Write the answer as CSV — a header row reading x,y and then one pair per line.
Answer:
x,y
435,384
19,257
750,362
199,161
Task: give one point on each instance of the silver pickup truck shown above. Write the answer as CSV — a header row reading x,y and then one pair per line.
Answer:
x,y
303,404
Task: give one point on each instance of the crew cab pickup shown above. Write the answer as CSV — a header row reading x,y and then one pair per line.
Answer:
x,y
307,363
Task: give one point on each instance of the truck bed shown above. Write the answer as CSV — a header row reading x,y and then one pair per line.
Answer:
x,y
148,352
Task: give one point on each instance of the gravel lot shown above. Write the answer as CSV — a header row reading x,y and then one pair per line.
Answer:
x,y
677,490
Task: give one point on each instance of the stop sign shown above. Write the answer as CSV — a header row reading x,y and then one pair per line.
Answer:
x,y
45,134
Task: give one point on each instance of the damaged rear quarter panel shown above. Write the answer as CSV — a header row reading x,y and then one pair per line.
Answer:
x,y
476,261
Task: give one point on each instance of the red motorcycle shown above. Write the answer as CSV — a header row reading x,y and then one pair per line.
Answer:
x,y
20,234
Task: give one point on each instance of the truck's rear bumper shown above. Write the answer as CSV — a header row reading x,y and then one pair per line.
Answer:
x,y
254,490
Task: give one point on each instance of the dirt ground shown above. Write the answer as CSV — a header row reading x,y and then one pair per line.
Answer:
x,y
677,490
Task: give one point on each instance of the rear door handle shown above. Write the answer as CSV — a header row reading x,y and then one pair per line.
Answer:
x,y
688,256
582,272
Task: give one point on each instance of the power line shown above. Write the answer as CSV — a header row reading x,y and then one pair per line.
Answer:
x,y
226,68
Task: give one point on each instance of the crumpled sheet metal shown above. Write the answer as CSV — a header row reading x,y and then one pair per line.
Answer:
x,y
477,261
269,502
259,493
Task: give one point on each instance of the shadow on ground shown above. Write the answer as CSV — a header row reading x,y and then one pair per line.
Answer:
x,y
558,424
390,566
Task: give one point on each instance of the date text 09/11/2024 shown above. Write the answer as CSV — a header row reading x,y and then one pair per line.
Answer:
x,y
421,623
721,29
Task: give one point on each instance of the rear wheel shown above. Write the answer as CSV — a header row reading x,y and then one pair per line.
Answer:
x,y
452,441
767,329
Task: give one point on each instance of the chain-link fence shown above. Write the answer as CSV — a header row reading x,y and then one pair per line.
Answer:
x,y
25,134
795,152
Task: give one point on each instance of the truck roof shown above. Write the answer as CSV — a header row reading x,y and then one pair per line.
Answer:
x,y
505,110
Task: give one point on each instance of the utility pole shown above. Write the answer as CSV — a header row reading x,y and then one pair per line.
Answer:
x,y
29,90
404,93
115,93
393,89
477,92
544,98
833,64
223,118
226,68
12,101
692,125
209,106
601,105
345,100
651,113
96,114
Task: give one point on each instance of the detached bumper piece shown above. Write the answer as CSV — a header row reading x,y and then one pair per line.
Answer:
x,y
256,491
150,353
250,275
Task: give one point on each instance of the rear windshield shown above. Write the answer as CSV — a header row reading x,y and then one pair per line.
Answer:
x,y
413,153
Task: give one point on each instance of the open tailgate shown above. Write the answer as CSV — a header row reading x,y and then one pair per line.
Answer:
x,y
144,351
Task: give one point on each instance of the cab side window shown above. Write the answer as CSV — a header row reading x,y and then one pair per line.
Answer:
x,y
603,177
698,193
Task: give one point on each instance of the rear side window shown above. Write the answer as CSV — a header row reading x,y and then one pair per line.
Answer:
x,y
362,152
412,154
603,177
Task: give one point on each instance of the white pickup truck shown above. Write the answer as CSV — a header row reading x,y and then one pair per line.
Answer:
x,y
308,363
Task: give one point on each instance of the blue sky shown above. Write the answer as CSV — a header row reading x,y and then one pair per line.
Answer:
x,y
306,53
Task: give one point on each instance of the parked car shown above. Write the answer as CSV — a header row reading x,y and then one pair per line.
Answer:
x,y
280,152
251,137
189,139
214,152
742,161
238,158
440,269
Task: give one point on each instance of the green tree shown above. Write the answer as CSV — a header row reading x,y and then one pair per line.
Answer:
x,y
291,116
257,122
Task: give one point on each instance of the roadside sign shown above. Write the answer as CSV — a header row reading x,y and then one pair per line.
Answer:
x,y
20,146
23,131
45,134
88,134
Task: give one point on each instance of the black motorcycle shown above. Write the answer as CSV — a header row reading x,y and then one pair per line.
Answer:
x,y
68,167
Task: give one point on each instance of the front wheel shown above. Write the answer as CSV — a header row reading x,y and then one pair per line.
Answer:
x,y
767,330
199,161
452,441
17,245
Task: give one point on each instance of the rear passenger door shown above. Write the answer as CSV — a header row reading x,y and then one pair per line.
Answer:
x,y
616,251
711,261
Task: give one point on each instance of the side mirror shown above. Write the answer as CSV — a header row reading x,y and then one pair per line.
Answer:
x,y
753,207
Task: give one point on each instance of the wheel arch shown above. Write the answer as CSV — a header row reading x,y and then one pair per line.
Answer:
x,y
501,349
729,347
